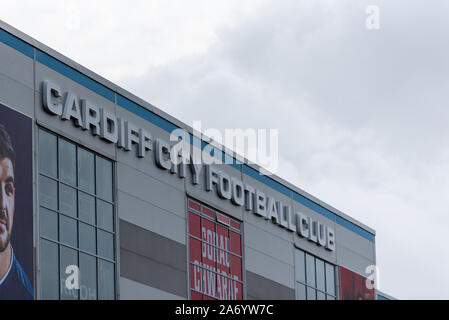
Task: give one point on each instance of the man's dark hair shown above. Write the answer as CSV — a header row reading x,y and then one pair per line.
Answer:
x,y
6,148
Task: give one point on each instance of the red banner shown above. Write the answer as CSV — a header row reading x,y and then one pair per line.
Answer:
x,y
214,255
353,286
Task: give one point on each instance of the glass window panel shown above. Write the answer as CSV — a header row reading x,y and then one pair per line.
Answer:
x,y
320,277
300,291
311,294
300,266
87,238
93,174
330,279
48,193
328,297
106,280
86,206
105,244
67,200
68,257
67,231
310,270
88,277
48,224
104,178
105,215
67,162
49,270
86,168
48,161
320,296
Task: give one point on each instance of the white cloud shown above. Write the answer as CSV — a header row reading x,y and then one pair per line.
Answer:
x,y
116,38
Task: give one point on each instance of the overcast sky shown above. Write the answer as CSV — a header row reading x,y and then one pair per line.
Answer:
x,y
362,114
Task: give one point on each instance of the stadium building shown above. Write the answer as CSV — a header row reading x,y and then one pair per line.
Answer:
x,y
94,207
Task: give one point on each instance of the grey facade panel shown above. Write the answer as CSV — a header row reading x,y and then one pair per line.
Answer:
x,y
151,217
153,246
132,290
270,267
16,95
355,243
267,226
261,288
16,66
147,165
260,222
353,261
271,245
153,273
151,259
149,189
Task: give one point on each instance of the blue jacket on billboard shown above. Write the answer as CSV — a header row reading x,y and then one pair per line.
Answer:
x,y
16,285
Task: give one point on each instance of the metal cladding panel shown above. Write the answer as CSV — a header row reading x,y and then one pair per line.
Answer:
x,y
132,290
147,165
67,127
16,66
16,80
151,217
16,95
151,245
355,243
269,244
353,261
151,259
312,247
211,198
261,288
262,223
269,267
153,273
269,247
149,189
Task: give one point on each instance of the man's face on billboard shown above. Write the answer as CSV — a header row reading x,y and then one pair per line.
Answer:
x,y
7,201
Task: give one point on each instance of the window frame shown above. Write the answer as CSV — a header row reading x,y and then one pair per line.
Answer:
x,y
58,242
315,286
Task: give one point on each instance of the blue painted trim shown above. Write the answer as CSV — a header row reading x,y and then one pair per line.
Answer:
x,y
354,228
75,75
314,206
166,125
253,173
16,43
145,113
381,297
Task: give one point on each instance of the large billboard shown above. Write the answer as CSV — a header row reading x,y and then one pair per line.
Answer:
x,y
354,286
215,254
16,205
